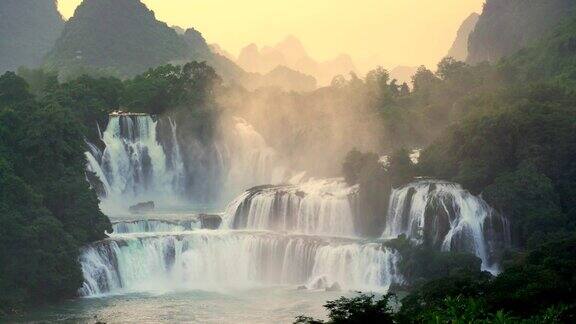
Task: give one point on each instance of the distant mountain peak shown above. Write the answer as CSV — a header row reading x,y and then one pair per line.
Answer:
x,y
459,49
28,30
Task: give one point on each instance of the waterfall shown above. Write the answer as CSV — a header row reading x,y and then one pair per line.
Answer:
x,y
251,162
153,226
142,159
317,207
221,260
132,166
443,215
285,232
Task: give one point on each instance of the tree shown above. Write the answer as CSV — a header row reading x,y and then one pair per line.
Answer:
x,y
424,79
356,310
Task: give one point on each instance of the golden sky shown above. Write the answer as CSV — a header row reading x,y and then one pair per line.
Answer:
x,y
398,32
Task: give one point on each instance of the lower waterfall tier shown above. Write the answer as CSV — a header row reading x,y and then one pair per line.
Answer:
x,y
213,260
446,217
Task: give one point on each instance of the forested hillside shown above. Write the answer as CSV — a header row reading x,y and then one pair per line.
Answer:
x,y
506,26
47,208
120,36
28,30
511,142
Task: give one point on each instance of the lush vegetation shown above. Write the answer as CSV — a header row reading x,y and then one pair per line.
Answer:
x,y
47,209
506,131
360,309
28,30
118,36
538,289
507,26
375,179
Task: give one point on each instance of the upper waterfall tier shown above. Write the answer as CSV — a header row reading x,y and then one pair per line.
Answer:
x,y
445,216
222,259
141,158
317,207
133,165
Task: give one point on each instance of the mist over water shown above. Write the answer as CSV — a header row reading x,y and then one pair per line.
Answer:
x,y
280,226
141,158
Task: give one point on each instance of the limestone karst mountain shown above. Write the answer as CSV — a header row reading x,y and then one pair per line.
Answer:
x,y
292,54
506,26
459,49
28,30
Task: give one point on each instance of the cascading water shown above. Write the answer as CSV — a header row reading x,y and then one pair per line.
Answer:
x,y
443,215
154,226
143,159
282,233
133,166
317,207
214,260
250,161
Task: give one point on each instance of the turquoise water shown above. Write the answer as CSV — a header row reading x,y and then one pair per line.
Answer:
x,y
263,305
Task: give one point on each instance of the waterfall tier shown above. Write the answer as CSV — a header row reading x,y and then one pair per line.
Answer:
x,y
230,259
133,166
445,216
317,207
143,159
154,226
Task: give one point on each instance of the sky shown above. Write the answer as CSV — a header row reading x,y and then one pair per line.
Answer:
x,y
391,32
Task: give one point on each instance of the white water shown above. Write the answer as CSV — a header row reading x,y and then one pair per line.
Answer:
x,y
291,233
153,226
133,165
136,165
316,207
219,260
445,215
250,161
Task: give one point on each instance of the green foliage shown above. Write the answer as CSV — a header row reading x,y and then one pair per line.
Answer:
x,y
421,263
375,181
12,89
38,80
89,99
28,30
519,155
530,202
356,310
355,163
122,35
47,209
538,289
192,85
551,59
507,26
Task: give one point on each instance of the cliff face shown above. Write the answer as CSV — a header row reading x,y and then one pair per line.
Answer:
x,y
507,26
28,30
459,50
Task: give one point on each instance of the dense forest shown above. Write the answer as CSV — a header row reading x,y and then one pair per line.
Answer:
x,y
511,140
47,207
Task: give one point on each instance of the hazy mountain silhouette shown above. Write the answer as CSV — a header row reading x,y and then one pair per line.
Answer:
x,y
459,49
120,35
507,26
291,53
28,30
